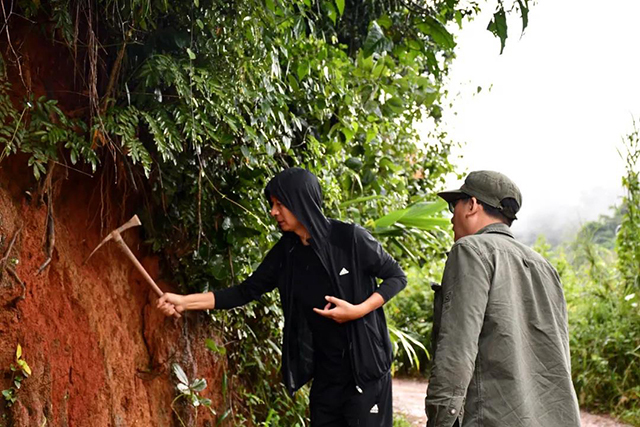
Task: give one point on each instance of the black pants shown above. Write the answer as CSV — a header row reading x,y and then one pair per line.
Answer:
x,y
343,405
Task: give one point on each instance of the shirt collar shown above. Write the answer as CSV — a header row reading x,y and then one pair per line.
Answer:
x,y
496,228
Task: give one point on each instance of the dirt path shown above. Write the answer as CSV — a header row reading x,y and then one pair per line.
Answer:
x,y
408,399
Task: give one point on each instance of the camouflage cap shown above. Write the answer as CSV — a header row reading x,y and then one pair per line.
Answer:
x,y
489,187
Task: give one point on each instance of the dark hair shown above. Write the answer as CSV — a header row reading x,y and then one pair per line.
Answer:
x,y
508,204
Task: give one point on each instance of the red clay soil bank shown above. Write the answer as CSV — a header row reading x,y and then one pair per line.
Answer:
x,y
100,353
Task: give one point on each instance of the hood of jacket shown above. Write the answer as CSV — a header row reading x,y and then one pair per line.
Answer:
x,y
299,190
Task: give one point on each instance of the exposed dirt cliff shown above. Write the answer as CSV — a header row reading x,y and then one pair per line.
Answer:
x,y
100,353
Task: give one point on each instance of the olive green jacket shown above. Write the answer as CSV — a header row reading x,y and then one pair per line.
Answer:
x,y
501,347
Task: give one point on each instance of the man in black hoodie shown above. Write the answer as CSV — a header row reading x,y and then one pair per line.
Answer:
x,y
335,330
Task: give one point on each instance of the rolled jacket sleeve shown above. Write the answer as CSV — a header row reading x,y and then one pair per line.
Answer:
x,y
465,292
378,263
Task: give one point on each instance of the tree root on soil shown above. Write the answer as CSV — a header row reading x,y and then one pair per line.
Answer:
x,y
51,231
4,267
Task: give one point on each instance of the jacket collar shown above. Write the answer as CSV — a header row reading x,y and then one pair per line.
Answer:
x,y
496,228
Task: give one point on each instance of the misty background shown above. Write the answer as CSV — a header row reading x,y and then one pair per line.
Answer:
x,y
551,111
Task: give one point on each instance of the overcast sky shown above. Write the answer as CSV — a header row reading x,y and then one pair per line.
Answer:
x,y
553,109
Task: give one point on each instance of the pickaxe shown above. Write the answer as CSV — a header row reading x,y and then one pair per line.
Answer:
x,y
115,236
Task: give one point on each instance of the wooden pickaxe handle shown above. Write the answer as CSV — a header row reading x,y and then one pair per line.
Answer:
x,y
118,239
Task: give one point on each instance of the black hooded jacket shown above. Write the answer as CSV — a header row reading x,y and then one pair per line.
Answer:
x,y
353,260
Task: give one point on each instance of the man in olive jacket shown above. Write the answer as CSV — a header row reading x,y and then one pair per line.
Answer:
x,y
335,330
500,321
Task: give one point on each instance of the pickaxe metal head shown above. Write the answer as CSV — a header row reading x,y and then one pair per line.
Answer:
x,y
133,222
116,237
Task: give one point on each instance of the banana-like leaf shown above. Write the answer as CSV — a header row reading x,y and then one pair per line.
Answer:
x,y
409,345
419,216
360,200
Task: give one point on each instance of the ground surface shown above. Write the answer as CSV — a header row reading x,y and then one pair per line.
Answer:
x,y
408,399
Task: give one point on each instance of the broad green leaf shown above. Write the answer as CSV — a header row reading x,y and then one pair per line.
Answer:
x,y
340,6
347,132
426,223
215,348
437,31
371,133
385,22
199,384
418,216
24,366
423,209
395,104
302,70
498,26
388,163
354,163
192,55
270,5
524,11
389,219
376,42
331,12
182,377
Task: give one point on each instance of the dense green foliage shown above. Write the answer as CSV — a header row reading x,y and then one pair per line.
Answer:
x,y
603,296
196,104
628,239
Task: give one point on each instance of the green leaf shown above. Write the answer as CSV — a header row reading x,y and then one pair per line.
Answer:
x,y
498,26
354,163
302,70
331,12
18,352
182,377
25,367
426,223
340,5
270,5
385,22
376,42
395,104
371,133
438,33
417,216
215,348
388,163
192,55
199,384
524,11
389,219
347,132
423,209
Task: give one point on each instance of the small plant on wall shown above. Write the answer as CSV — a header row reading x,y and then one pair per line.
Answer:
x,y
190,392
19,372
